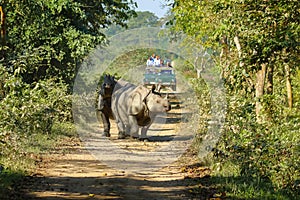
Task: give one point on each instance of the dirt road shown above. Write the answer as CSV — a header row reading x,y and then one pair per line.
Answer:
x,y
75,170
77,175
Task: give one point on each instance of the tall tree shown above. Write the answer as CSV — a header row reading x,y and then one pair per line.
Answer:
x,y
260,36
142,19
48,38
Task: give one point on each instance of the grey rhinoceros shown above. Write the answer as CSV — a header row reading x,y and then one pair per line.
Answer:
x,y
134,107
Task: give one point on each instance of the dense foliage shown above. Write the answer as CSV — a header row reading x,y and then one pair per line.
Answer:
x,y
50,38
42,44
258,45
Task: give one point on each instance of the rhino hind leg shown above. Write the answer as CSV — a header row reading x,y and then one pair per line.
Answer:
x,y
133,129
121,128
121,135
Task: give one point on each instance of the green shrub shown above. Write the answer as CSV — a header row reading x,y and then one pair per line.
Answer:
x,y
27,109
30,108
268,151
31,117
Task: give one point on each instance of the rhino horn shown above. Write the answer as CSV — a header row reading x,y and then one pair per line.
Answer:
x,y
159,87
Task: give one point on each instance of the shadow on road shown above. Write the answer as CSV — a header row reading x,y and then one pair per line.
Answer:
x,y
103,188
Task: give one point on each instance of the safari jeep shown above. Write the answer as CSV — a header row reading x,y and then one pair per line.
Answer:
x,y
165,76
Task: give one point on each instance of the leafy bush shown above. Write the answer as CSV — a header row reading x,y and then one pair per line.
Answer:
x,y
268,151
28,113
30,108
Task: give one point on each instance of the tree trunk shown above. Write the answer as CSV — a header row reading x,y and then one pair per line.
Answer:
x,y
259,91
237,43
288,85
269,86
224,56
3,32
238,46
225,51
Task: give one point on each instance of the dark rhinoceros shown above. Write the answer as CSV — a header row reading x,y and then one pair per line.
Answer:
x,y
104,102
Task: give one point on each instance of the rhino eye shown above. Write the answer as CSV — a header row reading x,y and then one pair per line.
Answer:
x,y
157,101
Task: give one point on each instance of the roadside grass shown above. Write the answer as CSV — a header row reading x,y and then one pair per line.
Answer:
x,y
226,183
19,158
242,187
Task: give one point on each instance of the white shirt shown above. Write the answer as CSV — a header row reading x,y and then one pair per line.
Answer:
x,y
157,62
150,62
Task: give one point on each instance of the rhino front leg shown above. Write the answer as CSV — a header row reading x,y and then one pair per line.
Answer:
x,y
106,124
104,115
144,133
145,129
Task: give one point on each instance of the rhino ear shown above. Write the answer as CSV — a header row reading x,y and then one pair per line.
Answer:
x,y
153,88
